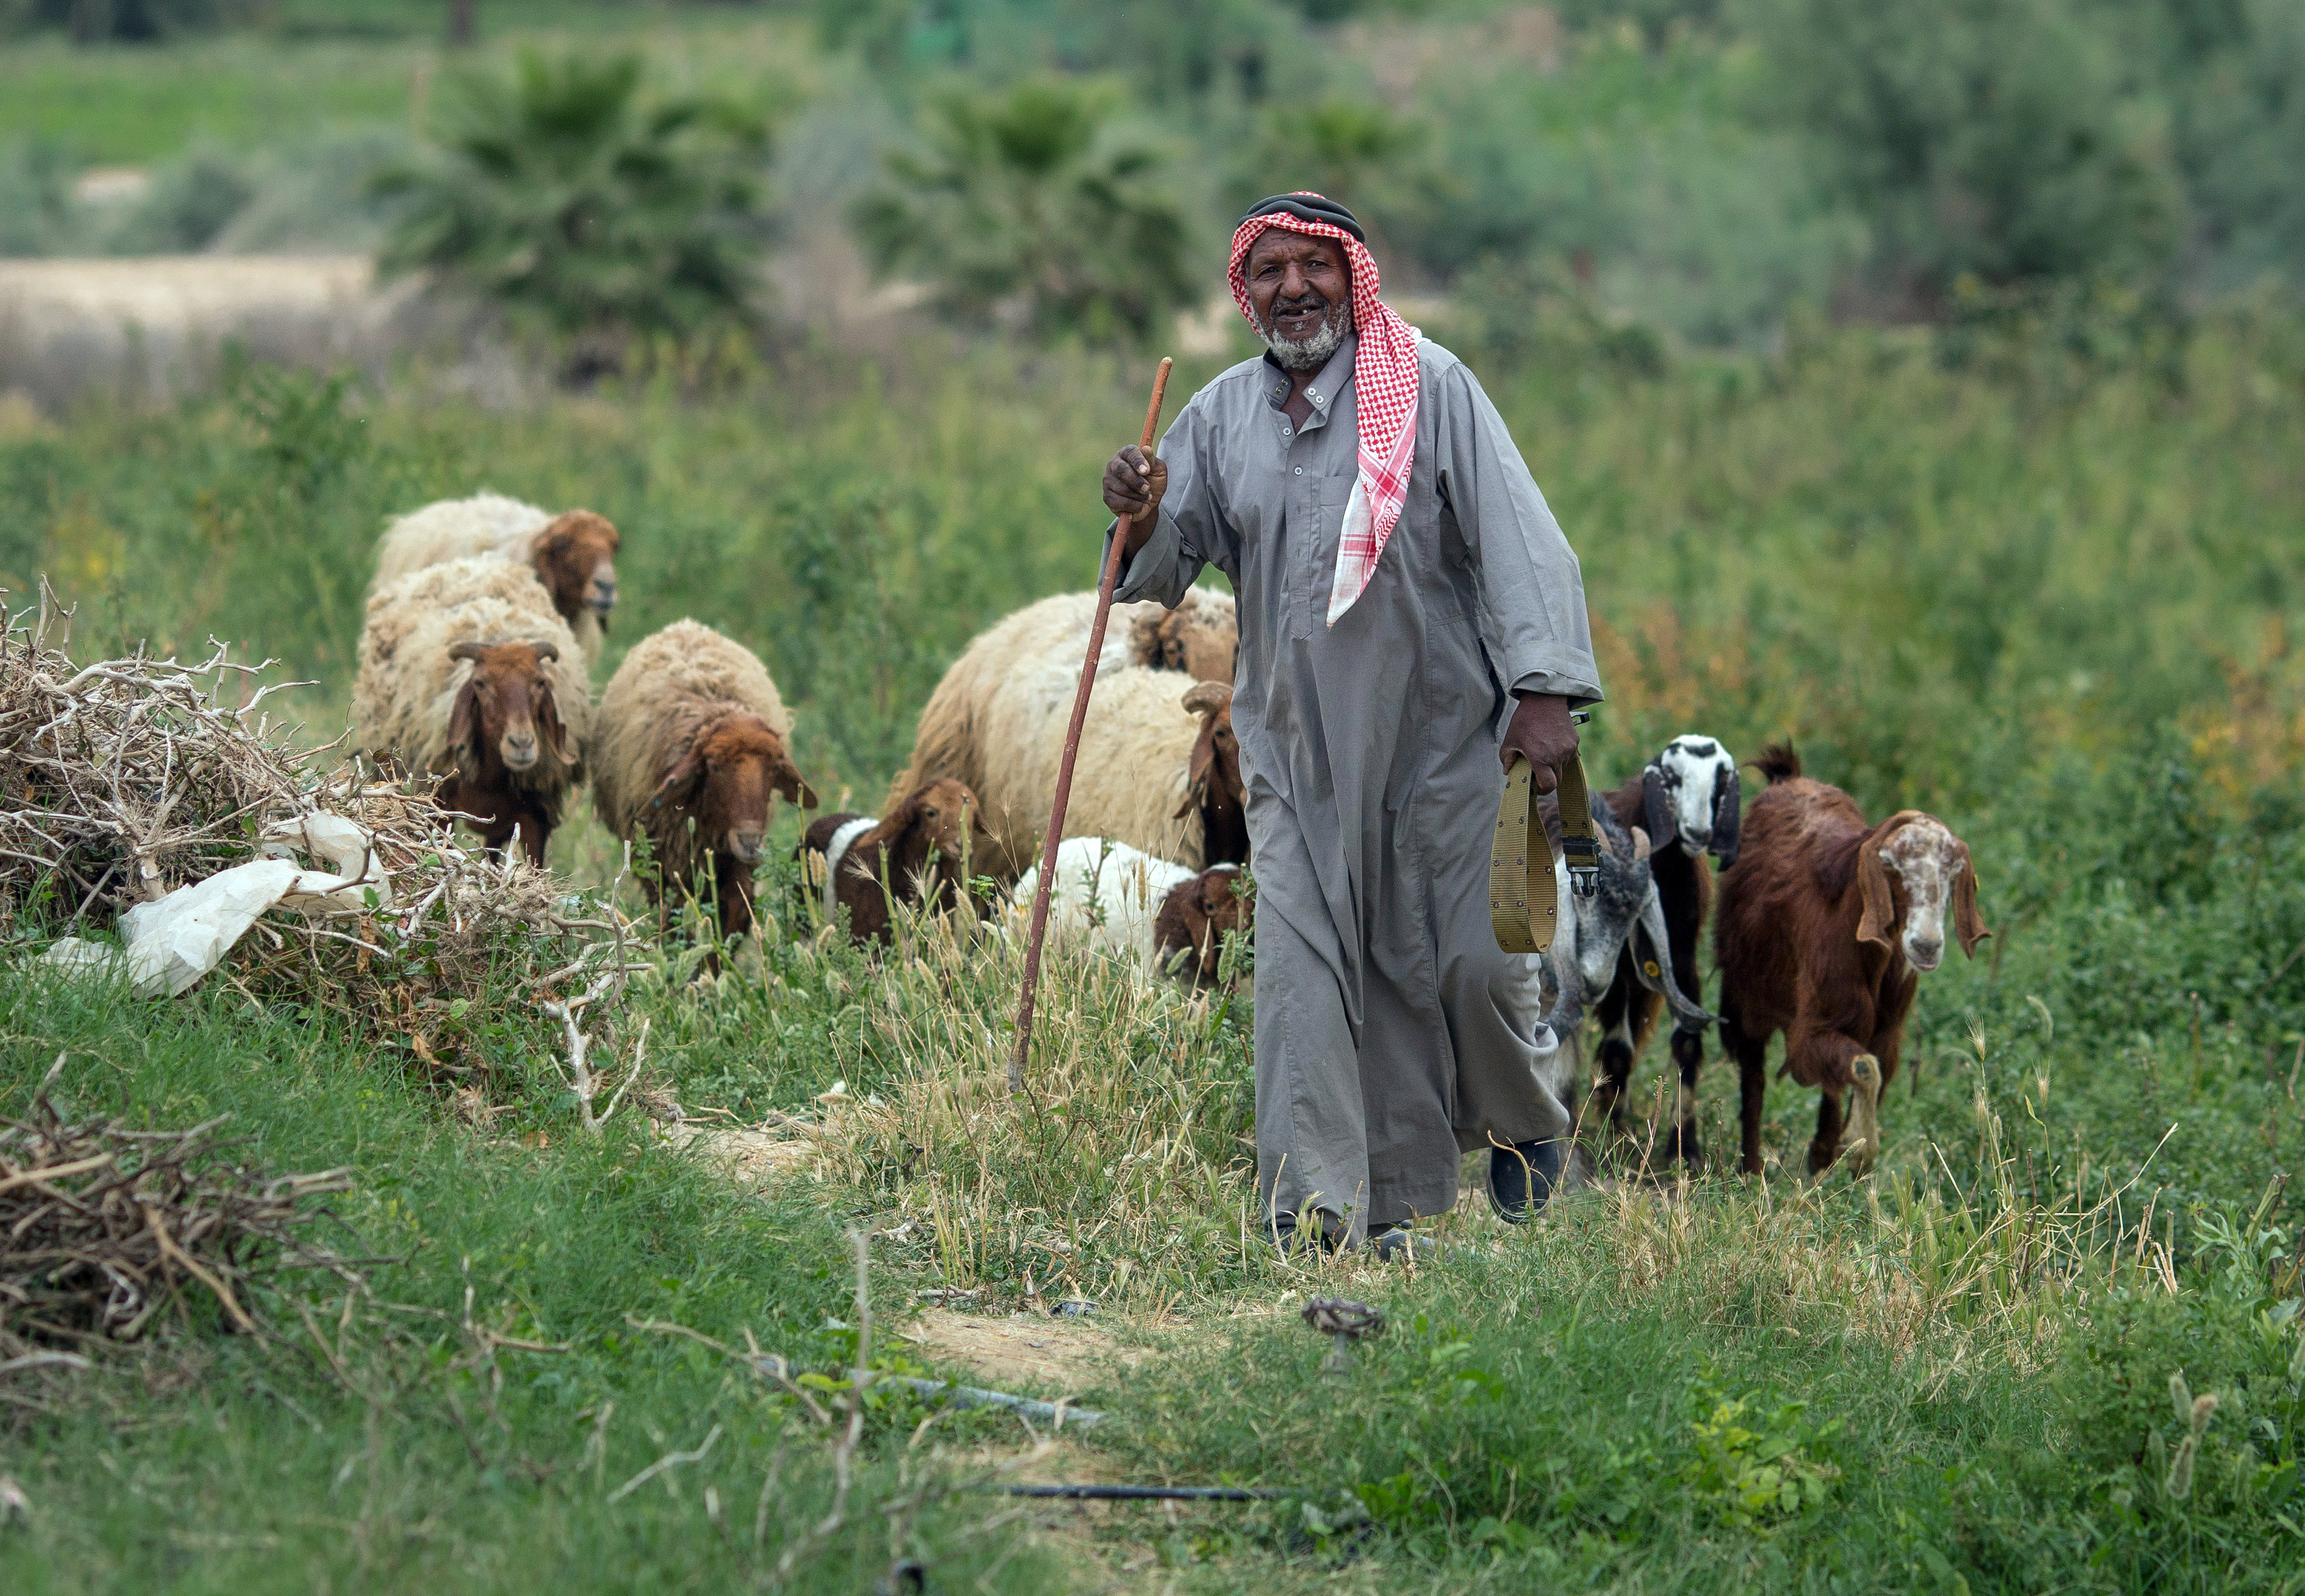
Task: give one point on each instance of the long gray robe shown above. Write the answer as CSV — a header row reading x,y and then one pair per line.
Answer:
x,y
1391,1033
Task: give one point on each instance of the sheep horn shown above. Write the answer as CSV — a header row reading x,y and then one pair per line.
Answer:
x,y
1690,1016
546,650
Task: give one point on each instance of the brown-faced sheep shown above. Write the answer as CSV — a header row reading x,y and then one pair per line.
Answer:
x,y
997,720
1157,770
574,555
927,848
1824,927
1188,932
467,673
689,749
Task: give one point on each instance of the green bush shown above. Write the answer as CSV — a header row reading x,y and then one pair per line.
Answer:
x,y
587,210
1029,208
2005,138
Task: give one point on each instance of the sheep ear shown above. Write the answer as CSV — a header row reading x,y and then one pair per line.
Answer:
x,y
1966,925
1196,773
1873,884
1656,809
463,717
787,780
676,787
1641,846
556,735
1728,814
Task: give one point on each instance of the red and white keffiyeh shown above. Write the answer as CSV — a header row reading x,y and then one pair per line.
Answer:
x,y
1384,384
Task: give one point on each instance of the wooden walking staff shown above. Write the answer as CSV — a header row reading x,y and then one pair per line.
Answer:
x,y
1104,586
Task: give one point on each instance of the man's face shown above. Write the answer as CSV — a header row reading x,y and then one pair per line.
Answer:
x,y
1301,290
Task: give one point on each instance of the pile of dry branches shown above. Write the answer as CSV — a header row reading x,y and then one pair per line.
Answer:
x,y
104,1228
121,779
124,780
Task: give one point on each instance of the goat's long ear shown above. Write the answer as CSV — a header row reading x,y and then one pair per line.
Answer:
x,y
556,735
1872,885
1656,809
1966,925
1728,814
679,783
465,717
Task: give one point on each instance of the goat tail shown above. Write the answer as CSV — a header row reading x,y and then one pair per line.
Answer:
x,y
1779,763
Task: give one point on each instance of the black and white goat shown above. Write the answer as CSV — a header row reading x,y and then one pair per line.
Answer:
x,y
1689,802
1593,934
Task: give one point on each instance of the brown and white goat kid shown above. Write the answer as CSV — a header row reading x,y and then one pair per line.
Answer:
x,y
925,849
512,753
690,751
1825,927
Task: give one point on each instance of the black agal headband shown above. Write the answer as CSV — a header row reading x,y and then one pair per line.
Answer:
x,y
1307,208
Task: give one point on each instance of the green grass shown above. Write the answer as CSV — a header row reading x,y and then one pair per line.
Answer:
x,y
214,1464
278,90
2040,595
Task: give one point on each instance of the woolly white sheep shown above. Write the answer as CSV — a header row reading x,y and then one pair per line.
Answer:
x,y
574,555
1158,768
466,672
1106,893
690,748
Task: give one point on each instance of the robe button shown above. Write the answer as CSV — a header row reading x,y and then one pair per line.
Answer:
x,y
1300,471
1285,432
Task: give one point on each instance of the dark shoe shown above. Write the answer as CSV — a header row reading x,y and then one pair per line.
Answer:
x,y
1285,1235
1522,1179
1396,1243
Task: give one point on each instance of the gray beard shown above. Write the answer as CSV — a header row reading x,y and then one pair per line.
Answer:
x,y
1314,352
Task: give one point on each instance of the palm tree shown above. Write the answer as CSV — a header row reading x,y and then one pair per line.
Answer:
x,y
1022,209
586,210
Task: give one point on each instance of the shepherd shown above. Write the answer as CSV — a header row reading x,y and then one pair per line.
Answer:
x,y
1411,621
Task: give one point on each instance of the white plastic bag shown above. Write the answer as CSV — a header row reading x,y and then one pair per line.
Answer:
x,y
179,938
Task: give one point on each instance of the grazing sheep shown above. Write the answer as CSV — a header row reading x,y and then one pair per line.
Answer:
x,y
467,673
1687,799
1200,637
689,749
1124,902
1824,927
996,722
927,847
1188,933
574,555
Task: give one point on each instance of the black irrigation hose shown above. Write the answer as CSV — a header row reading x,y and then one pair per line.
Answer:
x,y
1143,1493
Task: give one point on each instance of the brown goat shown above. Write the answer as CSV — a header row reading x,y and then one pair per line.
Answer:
x,y
1825,926
1196,915
1213,783
575,558
504,722
925,848
709,816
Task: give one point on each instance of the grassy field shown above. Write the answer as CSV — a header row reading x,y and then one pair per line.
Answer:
x,y
2043,596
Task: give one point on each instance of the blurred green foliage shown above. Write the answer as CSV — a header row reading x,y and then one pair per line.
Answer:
x,y
585,207
1029,208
